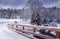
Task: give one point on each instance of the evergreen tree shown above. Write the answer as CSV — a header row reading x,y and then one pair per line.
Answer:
x,y
35,19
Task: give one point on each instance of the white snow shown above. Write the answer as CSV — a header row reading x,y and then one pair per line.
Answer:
x,y
5,33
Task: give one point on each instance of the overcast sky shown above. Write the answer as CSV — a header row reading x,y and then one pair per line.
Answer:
x,y
21,3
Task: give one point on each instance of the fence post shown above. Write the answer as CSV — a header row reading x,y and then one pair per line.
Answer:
x,y
57,34
34,30
17,27
23,28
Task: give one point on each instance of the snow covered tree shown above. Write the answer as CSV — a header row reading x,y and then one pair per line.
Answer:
x,y
34,6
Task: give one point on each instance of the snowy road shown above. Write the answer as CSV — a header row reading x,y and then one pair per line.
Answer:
x,y
5,33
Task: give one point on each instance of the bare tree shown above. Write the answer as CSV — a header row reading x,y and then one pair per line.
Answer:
x,y
52,13
34,5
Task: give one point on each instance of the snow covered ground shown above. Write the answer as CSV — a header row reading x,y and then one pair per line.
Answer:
x,y
5,33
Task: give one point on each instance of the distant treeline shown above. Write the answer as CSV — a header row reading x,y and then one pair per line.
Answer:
x,y
25,13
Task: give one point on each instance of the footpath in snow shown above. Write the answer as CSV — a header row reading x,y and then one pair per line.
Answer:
x,y
5,33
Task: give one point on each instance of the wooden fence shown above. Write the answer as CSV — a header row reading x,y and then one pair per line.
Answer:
x,y
32,29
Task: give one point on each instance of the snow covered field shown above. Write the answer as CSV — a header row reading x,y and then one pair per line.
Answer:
x,y
5,33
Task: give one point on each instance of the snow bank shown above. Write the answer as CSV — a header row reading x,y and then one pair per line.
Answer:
x,y
5,33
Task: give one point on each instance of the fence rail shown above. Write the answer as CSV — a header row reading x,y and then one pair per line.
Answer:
x,y
24,29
